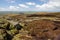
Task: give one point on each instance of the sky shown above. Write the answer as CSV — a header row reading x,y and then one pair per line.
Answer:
x,y
30,5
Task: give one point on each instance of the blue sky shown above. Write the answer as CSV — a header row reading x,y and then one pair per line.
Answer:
x,y
30,5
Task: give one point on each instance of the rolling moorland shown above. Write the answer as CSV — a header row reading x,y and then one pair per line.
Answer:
x,y
30,26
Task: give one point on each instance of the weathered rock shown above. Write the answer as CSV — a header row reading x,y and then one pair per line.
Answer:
x,y
11,26
3,24
18,26
2,34
13,32
22,37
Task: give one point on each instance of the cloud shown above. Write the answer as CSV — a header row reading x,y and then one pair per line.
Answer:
x,y
43,0
13,8
55,0
30,3
1,9
38,6
10,8
23,6
51,5
11,1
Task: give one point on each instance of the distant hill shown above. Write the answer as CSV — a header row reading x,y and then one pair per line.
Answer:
x,y
15,12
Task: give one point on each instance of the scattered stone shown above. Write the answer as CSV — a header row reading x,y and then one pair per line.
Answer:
x,y
18,26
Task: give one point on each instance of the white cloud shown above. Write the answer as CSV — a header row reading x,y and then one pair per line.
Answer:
x,y
30,3
1,9
10,8
13,8
11,1
55,0
51,5
38,6
23,6
43,0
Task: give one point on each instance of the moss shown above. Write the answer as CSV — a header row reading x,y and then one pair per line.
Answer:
x,y
3,24
2,34
11,26
13,32
22,37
